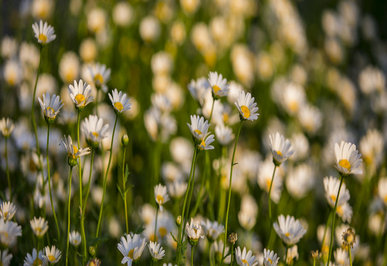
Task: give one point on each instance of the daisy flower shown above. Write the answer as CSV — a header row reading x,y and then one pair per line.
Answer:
x,y
198,127
247,106
52,254
206,141
80,93
212,229
39,226
94,129
5,257
120,101
8,232
194,232
131,247
345,212
371,147
75,238
218,84
100,75
44,33
224,134
280,148
6,126
51,106
331,187
289,229
382,189
176,188
35,258
7,210
72,150
270,258
245,258
161,195
156,250
348,159
217,247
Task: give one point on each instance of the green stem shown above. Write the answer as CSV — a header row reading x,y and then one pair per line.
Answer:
x,y
325,233
192,254
190,195
124,189
88,183
180,236
201,191
83,235
7,169
286,255
334,220
229,189
212,109
156,166
350,255
271,185
155,232
68,214
49,180
105,178
232,254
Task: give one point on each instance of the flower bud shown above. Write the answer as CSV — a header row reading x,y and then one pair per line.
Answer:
x,y
125,140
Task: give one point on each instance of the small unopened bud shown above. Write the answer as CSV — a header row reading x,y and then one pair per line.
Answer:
x,y
315,254
125,140
178,220
232,238
92,252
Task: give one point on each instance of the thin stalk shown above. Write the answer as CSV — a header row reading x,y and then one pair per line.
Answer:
x,y
271,185
350,255
190,194
222,191
229,189
232,254
334,220
192,254
7,169
286,255
201,191
49,180
211,255
156,165
325,233
155,231
105,178
68,214
124,187
83,235
180,236
212,109
88,183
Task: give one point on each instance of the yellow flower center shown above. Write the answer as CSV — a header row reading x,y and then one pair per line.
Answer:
x,y
163,231
269,259
5,214
197,131
345,164
245,261
287,234
245,111
279,153
293,106
160,199
95,134
37,262
98,79
118,106
225,117
51,258
385,199
202,144
42,38
333,198
339,210
50,112
80,98
130,253
268,183
216,88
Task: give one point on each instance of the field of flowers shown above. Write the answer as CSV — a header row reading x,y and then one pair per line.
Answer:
x,y
214,132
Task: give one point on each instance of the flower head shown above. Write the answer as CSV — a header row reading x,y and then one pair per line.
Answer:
x,y
247,106
194,232
80,94
131,247
7,210
52,254
35,258
75,238
44,33
206,141
349,237
8,232
51,106
198,127
280,148
289,229
94,130
72,150
156,250
270,258
217,247
39,226
245,258
382,190
331,186
224,134
212,229
120,101
6,126
161,195
218,84
348,159
5,257
100,75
